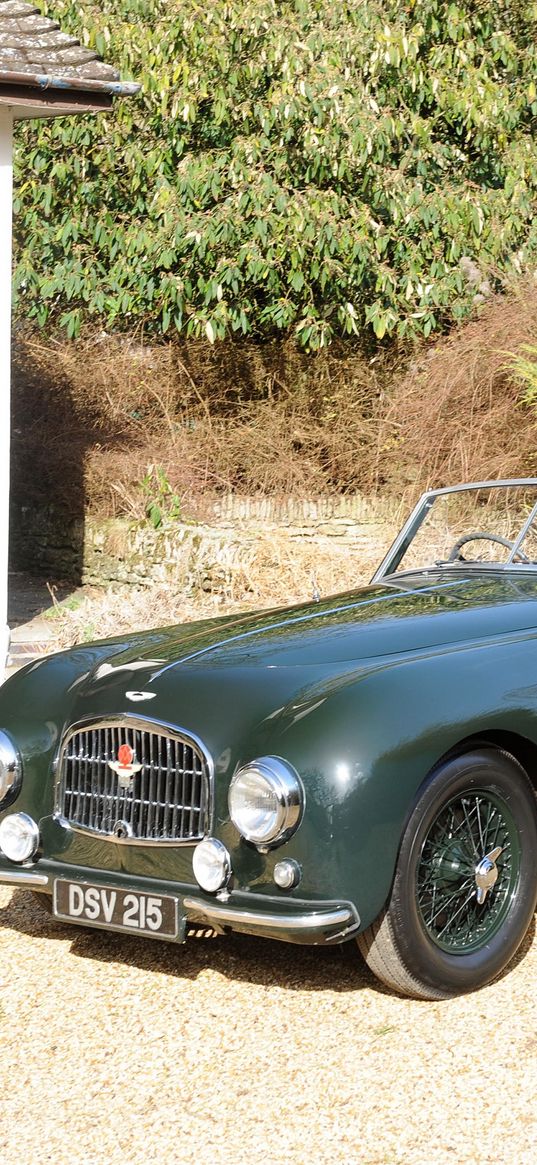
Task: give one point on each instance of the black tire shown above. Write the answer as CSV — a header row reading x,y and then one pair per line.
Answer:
x,y
434,940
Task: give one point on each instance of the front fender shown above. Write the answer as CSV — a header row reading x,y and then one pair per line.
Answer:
x,y
366,749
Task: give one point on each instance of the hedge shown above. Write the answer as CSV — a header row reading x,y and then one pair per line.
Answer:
x,y
309,167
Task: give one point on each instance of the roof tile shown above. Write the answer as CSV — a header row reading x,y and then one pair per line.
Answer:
x,y
32,44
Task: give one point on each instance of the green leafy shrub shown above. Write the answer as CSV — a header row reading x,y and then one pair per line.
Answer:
x,y
161,503
304,166
523,368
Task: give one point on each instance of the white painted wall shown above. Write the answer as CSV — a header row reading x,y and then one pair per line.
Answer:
x,y
6,204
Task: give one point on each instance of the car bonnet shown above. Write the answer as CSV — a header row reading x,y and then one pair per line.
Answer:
x,y
417,612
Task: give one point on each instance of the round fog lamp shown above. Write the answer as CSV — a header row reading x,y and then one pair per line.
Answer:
x,y
10,767
287,874
19,837
211,864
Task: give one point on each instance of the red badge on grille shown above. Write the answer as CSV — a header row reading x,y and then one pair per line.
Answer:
x,y
125,766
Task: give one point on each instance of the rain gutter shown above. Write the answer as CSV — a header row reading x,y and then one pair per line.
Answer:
x,y
84,84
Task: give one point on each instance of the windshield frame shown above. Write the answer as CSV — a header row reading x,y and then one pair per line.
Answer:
x,y
406,535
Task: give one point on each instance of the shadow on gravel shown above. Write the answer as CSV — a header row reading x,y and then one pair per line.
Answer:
x,y
263,962
260,961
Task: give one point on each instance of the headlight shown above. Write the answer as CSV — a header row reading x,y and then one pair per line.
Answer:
x,y
10,767
19,837
266,800
211,864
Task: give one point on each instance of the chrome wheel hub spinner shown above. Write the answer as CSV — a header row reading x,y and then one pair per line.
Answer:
x,y
486,874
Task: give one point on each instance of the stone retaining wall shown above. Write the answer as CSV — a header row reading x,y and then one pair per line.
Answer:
x,y
191,554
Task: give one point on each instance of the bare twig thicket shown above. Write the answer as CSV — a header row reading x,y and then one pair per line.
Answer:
x,y
246,418
91,416
458,413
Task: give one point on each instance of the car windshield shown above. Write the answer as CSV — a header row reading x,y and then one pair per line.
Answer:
x,y
490,525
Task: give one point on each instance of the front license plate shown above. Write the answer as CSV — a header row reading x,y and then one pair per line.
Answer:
x,y
107,906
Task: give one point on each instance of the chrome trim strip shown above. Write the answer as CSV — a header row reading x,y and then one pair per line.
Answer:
x,y
298,920
145,842
143,724
500,484
24,876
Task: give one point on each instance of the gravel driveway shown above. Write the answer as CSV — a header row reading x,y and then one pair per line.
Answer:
x,y
238,1049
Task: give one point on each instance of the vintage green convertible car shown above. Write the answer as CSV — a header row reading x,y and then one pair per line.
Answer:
x,y
361,768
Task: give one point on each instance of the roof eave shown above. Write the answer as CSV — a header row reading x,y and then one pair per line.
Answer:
x,y
26,103
40,95
45,81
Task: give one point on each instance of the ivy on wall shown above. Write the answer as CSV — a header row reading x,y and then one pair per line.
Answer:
x,y
296,166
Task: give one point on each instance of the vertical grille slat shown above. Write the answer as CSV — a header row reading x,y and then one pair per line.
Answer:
x,y
197,792
150,784
177,802
116,807
189,774
85,782
108,815
161,792
167,799
94,781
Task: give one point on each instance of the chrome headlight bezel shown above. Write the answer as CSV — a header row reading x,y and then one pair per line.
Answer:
x,y
268,777
10,770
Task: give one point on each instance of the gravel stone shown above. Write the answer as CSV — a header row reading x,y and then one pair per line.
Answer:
x,y
233,1049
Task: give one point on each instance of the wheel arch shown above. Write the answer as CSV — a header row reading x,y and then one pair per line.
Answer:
x,y
397,946
520,747
523,750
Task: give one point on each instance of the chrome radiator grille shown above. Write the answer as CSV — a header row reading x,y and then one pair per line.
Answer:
x,y
165,800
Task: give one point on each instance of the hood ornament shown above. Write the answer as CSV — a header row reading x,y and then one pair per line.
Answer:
x,y
125,766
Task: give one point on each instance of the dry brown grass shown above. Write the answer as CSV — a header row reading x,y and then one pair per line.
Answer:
x,y
274,570
457,414
91,416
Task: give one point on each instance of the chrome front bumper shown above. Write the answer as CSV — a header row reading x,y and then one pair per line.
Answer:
x,y
23,878
295,922
286,919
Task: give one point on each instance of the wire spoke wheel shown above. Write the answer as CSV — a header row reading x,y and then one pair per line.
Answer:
x,y
466,830
465,883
